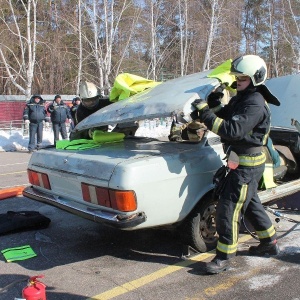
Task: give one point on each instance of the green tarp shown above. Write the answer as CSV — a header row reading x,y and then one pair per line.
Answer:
x,y
18,253
99,137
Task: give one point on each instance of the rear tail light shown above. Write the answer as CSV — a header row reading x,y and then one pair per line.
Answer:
x,y
119,200
39,179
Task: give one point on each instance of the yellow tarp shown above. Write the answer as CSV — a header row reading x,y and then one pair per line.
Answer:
x,y
126,85
222,72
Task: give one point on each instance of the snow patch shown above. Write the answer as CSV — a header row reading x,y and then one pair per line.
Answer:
x,y
262,281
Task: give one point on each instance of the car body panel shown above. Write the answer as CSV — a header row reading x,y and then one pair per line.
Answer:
x,y
168,98
287,90
139,164
169,179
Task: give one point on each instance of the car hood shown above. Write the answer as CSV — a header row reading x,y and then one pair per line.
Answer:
x,y
175,97
168,98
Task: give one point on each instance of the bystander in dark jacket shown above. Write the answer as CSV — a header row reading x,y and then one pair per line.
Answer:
x,y
59,114
75,103
34,116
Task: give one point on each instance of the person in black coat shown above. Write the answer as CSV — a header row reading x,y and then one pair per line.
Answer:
x,y
34,116
243,125
75,104
59,114
91,101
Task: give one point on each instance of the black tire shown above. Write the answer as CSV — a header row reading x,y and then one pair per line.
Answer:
x,y
198,230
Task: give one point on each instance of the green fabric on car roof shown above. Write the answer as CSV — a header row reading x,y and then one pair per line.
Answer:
x,y
99,137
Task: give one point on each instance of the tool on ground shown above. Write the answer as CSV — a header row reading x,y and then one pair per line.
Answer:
x,y
279,214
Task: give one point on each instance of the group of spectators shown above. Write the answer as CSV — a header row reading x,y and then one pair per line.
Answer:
x,y
36,115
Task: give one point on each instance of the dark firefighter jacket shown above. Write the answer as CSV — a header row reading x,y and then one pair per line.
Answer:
x,y
73,110
243,123
82,112
59,112
35,112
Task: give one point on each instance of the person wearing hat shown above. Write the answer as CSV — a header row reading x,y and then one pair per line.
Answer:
x,y
91,101
59,113
75,103
243,125
34,116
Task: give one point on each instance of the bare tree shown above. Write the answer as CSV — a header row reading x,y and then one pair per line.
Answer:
x,y
273,43
20,67
183,27
80,47
214,21
107,17
292,31
158,39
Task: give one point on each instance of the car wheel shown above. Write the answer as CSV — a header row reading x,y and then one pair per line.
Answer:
x,y
199,229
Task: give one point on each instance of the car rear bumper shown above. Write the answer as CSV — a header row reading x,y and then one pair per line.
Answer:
x,y
120,221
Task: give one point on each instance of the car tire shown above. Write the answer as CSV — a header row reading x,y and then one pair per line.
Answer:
x,y
199,229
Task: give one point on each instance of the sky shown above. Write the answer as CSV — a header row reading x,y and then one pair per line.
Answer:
x,y
15,141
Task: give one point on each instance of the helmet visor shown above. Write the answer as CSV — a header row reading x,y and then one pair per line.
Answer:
x,y
234,66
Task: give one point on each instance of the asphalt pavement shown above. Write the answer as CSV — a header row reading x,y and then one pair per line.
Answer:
x,y
13,169
84,260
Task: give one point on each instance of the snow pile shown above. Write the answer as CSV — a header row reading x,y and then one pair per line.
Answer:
x,y
13,140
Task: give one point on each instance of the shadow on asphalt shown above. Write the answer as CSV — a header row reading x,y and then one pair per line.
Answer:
x,y
15,283
70,239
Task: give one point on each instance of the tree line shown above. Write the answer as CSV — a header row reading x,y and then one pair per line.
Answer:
x,y
49,46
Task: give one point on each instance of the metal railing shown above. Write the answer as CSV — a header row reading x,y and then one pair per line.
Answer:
x,y
13,125
19,125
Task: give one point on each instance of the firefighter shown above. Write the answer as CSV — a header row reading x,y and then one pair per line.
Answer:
x,y
91,101
243,125
75,103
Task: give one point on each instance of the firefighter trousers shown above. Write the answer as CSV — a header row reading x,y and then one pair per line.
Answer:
x,y
238,197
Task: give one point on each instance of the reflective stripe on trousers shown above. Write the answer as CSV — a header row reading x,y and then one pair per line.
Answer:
x,y
240,197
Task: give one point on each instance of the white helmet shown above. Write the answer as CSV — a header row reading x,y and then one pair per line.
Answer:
x,y
89,94
87,90
252,66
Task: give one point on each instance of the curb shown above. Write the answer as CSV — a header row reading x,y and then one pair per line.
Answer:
x,y
11,192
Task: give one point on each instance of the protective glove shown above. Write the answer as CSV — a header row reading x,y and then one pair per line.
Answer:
x,y
196,130
199,104
26,122
70,121
176,131
234,85
214,98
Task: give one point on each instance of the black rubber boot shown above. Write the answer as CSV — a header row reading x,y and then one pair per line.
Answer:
x,y
265,248
217,265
